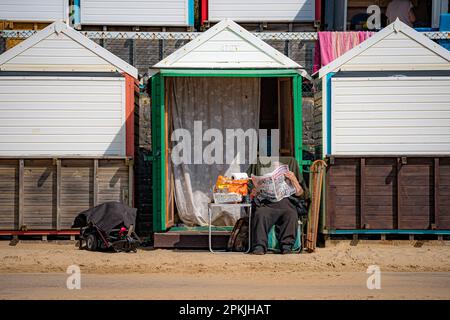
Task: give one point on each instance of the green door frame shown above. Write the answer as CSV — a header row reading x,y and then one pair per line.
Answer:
x,y
158,124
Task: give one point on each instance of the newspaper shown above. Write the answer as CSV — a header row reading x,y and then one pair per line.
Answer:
x,y
273,186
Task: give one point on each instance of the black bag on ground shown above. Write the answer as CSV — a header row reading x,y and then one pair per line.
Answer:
x,y
238,240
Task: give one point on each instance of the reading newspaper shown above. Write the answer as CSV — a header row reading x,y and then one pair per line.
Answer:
x,y
273,186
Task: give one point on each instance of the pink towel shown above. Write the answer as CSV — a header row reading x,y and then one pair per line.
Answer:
x,y
331,44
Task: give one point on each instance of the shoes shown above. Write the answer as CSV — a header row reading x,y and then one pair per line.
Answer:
x,y
259,250
286,250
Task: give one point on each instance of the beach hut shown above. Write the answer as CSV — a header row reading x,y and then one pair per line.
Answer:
x,y
174,13
385,117
66,130
224,79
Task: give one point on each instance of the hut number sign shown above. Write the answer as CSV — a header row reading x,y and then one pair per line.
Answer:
x,y
230,48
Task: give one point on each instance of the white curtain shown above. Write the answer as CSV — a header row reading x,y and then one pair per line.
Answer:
x,y
219,103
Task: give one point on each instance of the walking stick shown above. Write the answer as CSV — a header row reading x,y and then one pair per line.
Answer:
x,y
316,181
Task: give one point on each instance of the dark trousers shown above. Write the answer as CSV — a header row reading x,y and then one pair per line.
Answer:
x,y
282,214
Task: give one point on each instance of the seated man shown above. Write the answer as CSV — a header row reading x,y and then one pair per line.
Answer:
x,y
282,214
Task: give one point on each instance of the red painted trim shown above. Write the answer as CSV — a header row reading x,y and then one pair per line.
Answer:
x,y
204,11
129,114
131,88
39,233
318,10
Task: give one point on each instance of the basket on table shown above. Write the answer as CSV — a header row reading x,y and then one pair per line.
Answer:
x,y
227,190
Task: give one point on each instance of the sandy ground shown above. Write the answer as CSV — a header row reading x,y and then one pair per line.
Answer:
x,y
38,270
301,285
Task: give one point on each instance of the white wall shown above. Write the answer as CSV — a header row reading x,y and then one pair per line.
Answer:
x,y
62,116
390,115
34,10
135,12
261,10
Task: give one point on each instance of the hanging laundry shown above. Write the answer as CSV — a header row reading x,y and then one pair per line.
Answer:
x,y
331,45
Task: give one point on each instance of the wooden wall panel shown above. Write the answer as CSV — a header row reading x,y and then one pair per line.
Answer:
x,y
112,181
416,193
408,193
380,193
51,192
76,189
344,195
9,194
444,194
39,194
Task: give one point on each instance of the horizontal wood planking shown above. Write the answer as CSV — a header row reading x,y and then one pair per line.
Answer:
x,y
40,190
135,13
383,199
261,11
389,115
343,195
397,52
58,52
32,10
41,116
380,204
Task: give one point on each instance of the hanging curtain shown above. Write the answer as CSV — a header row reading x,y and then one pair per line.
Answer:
x,y
219,103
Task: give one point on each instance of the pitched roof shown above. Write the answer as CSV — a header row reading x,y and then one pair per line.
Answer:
x,y
227,46
58,28
397,27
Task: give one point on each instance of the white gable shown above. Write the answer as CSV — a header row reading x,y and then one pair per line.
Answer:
x,y
57,52
396,47
61,48
226,46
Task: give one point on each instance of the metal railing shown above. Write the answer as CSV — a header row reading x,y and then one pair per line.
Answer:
x,y
138,35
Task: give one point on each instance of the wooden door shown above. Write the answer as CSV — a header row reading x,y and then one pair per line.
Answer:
x,y
158,154
170,192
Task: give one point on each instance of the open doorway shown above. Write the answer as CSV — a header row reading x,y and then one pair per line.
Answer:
x,y
221,104
276,111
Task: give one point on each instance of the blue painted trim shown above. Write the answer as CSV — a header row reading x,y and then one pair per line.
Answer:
x,y
382,231
329,76
191,14
76,12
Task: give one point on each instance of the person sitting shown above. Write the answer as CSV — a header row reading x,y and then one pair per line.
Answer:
x,y
283,214
401,9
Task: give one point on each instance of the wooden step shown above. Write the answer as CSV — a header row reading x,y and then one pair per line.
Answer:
x,y
190,240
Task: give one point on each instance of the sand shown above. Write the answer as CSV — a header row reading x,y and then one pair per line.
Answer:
x,y
41,257
37,270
